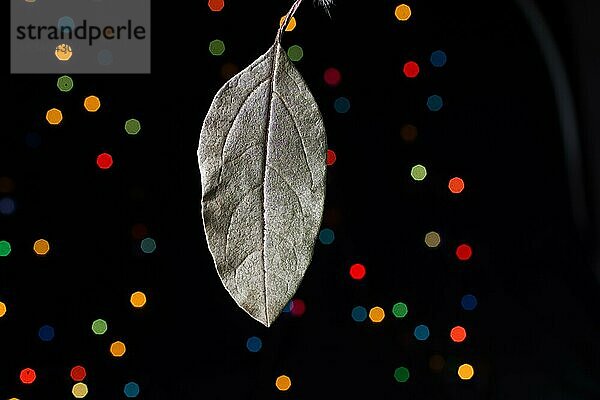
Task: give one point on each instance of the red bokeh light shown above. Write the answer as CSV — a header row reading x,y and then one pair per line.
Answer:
x,y
464,252
411,69
358,271
332,76
104,161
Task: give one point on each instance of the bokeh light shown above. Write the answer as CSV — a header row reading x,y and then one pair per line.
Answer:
x,y
63,52
133,126
326,236
341,105
139,231
376,314
131,389
421,332
118,349
464,252
104,161
400,310
435,102
228,70
46,333
358,271
458,334
418,172
27,376
148,245
65,83
41,247
283,383
2,309
91,103
216,47
436,363
291,24
216,5
456,185
409,133
403,12
7,185
54,116
466,372
359,314
80,390
401,374
438,58
331,157
411,69
138,299
7,206
432,239
254,344
5,248
99,326
468,302
78,373
297,307
295,52
332,76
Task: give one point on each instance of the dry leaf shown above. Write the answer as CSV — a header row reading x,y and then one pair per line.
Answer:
x,y
262,163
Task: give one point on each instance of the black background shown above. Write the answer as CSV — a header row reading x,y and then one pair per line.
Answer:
x,y
534,333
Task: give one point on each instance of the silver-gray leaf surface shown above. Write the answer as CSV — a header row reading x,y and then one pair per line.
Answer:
x,y
262,163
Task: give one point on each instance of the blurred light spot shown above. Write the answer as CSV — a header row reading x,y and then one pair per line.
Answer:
x,y
46,333
63,52
411,69
104,161
358,271
466,372
468,302
401,374
105,57
438,58
400,310
359,314
133,126
283,382
456,185
254,344
409,133
6,185
228,70
99,327
376,314
33,140
216,47
435,103
65,83
41,247
290,26
342,105
54,116
458,334
464,252
148,245
2,309
66,24
436,363
332,76
421,332
288,307
131,390
433,239
295,53
7,206
5,248
80,390
331,157
138,231
297,307
118,349
216,5
91,103
403,12
326,236
27,376
78,373
138,299
418,172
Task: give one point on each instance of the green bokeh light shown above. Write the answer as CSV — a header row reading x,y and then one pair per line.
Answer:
x,y
216,47
295,53
99,327
400,310
401,374
133,126
65,83
418,172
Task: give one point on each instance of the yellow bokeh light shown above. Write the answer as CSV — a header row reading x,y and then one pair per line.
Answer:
x,y
403,12
91,103
2,309
63,52
80,390
290,26
41,247
118,349
466,372
283,383
54,116
432,239
138,299
376,314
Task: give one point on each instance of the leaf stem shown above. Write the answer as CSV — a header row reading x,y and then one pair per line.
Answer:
x,y
288,17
